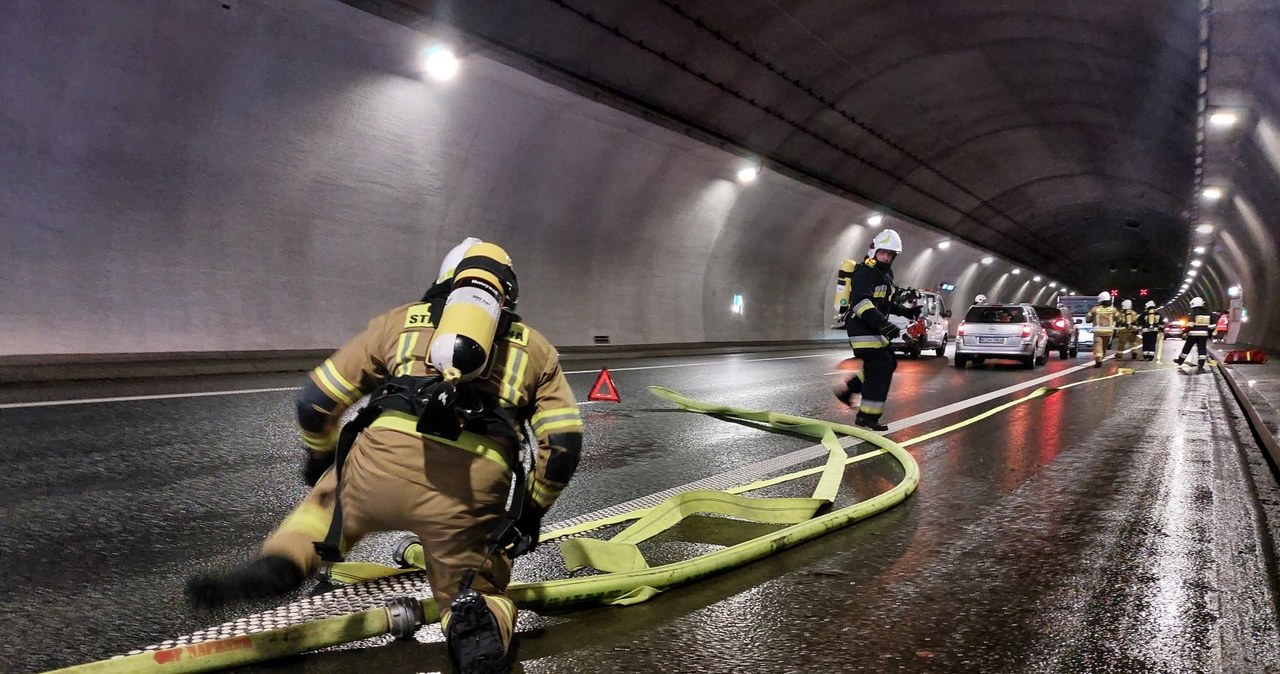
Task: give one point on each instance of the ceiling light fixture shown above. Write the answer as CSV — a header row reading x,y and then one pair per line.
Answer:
x,y
440,62
1211,193
1224,119
875,220
1204,228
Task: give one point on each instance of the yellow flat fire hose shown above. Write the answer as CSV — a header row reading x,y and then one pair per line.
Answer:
x,y
625,578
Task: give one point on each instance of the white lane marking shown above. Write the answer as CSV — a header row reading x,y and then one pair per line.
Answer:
x,y
120,399
702,364
761,468
924,417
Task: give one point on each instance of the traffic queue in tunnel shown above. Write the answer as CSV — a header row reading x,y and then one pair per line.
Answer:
x,y
866,299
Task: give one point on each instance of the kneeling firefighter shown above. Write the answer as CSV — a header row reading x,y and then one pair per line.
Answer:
x,y
453,381
1151,323
865,296
1104,319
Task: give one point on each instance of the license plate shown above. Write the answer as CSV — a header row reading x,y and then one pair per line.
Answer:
x,y
991,340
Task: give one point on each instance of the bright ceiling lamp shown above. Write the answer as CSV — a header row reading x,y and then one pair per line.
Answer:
x,y
1017,271
1192,273
875,220
1204,228
1196,263
440,62
1224,119
1036,279
748,173
988,260
943,245
1211,193
1198,250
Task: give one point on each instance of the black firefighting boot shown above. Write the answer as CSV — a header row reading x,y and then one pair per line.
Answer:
x,y
1178,361
264,577
474,638
870,422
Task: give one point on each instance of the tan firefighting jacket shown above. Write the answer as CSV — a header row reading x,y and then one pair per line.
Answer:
x,y
524,375
1103,319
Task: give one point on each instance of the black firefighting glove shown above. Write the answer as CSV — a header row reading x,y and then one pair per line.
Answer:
x,y
264,577
529,525
890,331
315,466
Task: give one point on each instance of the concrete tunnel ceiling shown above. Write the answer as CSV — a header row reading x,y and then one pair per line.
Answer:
x,y
1059,134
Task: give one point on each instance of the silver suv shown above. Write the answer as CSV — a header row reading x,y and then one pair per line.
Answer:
x,y
1010,331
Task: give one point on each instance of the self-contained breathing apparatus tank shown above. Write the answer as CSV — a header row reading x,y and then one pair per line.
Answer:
x,y
483,286
479,307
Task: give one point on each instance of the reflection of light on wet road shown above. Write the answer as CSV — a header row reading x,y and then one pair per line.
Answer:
x,y
1173,563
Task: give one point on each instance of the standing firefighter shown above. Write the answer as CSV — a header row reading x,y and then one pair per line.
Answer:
x,y
1127,331
865,296
1201,326
453,380
1103,318
1150,323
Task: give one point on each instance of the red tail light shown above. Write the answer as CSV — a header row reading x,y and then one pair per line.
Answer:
x,y
1060,323
960,330
1026,330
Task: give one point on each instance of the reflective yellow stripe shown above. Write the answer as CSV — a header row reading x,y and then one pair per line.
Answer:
x,y
871,407
504,606
320,442
863,306
311,520
338,386
404,352
566,425
471,442
868,342
543,495
558,418
517,362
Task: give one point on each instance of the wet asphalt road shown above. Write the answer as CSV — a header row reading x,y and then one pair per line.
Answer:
x,y
1106,528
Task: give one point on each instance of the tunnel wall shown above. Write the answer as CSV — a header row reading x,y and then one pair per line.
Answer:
x,y
189,177
1244,76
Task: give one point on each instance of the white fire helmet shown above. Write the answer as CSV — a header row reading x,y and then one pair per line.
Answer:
x,y
887,240
1104,296
1151,303
1197,302
1126,305
453,257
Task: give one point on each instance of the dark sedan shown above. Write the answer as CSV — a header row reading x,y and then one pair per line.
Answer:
x,y
1064,336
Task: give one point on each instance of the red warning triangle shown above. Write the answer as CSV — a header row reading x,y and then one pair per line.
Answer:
x,y
604,388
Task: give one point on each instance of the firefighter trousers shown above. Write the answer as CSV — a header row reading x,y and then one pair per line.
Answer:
x,y
1202,347
873,380
1149,344
1101,344
1127,341
451,498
